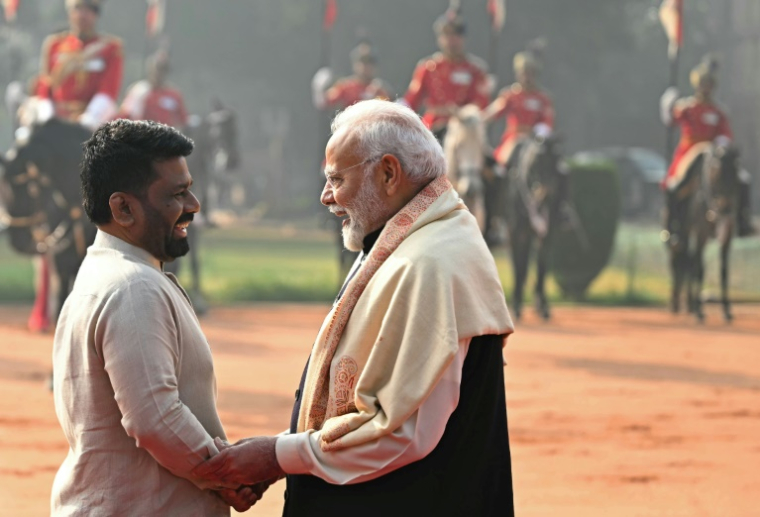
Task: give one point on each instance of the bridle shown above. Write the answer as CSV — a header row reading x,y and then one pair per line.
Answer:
x,y
48,241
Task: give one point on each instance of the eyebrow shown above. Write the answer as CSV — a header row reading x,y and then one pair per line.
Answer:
x,y
185,185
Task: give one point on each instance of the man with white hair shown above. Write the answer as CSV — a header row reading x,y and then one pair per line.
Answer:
x,y
401,408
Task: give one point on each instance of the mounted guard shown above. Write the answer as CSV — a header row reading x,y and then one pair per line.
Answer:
x,y
528,109
81,69
703,124
154,98
362,85
75,92
450,79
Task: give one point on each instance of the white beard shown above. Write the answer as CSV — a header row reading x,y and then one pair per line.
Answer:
x,y
368,208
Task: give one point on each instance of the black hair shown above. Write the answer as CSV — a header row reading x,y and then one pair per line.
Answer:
x,y
119,158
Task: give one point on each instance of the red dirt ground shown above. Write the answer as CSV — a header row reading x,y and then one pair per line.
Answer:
x,y
612,412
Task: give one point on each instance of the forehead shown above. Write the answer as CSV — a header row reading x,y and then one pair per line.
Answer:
x,y
172,172
342,145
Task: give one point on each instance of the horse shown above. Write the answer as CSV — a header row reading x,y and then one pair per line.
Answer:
x,y
216,152
704,207
39,185
537,186
465,147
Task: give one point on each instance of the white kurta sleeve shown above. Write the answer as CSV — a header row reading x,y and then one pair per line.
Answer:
x,y
140,350
301,453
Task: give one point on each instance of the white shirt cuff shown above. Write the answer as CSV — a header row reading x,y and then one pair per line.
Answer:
x,y
287,449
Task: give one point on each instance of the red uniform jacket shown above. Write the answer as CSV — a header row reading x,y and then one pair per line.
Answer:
x,y
350,90
73,72
439,82
164,104
524,109
699,122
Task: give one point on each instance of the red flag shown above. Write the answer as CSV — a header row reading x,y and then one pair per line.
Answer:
x,y
11,9
671,16
331,13
498,11
155,17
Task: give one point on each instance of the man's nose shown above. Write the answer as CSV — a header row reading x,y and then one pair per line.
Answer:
x,y
192,205
327,197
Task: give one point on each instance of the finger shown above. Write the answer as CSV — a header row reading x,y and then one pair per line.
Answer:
x,y
241,506
244,492
208,468
221,444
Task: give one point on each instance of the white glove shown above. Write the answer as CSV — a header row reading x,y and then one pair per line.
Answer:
x,y
722,141
542,130
99,111
319,83
667,101
35,110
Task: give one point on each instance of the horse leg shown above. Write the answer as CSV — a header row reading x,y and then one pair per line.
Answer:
x,y
520,249
697,279
725,248
542,305
678,269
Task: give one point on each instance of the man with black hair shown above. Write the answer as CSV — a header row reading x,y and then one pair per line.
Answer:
x,y
135,390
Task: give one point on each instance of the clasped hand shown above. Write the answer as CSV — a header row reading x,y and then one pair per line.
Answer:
x,y
248,462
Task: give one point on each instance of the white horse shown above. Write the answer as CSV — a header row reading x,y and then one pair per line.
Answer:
x,y
465,146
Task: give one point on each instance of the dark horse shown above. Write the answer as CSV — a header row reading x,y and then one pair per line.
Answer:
x,y
535,191
704,207
40,188
216,153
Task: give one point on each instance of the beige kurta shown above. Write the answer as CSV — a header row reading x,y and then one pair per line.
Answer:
x,y
135,391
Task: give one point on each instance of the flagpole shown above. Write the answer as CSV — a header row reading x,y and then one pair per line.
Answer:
x,y
673,82
329,14
671,16
493,52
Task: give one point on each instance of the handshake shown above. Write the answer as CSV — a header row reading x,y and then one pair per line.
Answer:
x,y
241,472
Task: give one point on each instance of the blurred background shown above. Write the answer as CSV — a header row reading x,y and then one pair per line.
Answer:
x,y
615,406
605,64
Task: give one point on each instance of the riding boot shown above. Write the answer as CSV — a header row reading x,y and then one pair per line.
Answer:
x,y
39,319
744,226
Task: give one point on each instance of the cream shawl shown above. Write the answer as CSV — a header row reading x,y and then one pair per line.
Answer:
x,y
428,282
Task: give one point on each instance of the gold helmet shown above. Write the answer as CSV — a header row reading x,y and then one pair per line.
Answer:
x,y
364,53
94,5
707,70
526,61
530,58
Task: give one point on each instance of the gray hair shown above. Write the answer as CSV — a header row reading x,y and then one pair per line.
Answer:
x,y
384,127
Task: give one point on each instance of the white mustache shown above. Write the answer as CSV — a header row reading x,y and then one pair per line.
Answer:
x,y
336,208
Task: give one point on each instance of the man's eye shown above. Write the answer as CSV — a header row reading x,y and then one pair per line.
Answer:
x,y
181,194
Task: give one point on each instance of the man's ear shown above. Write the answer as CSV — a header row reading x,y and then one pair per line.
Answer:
x,y
123,208
392,174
